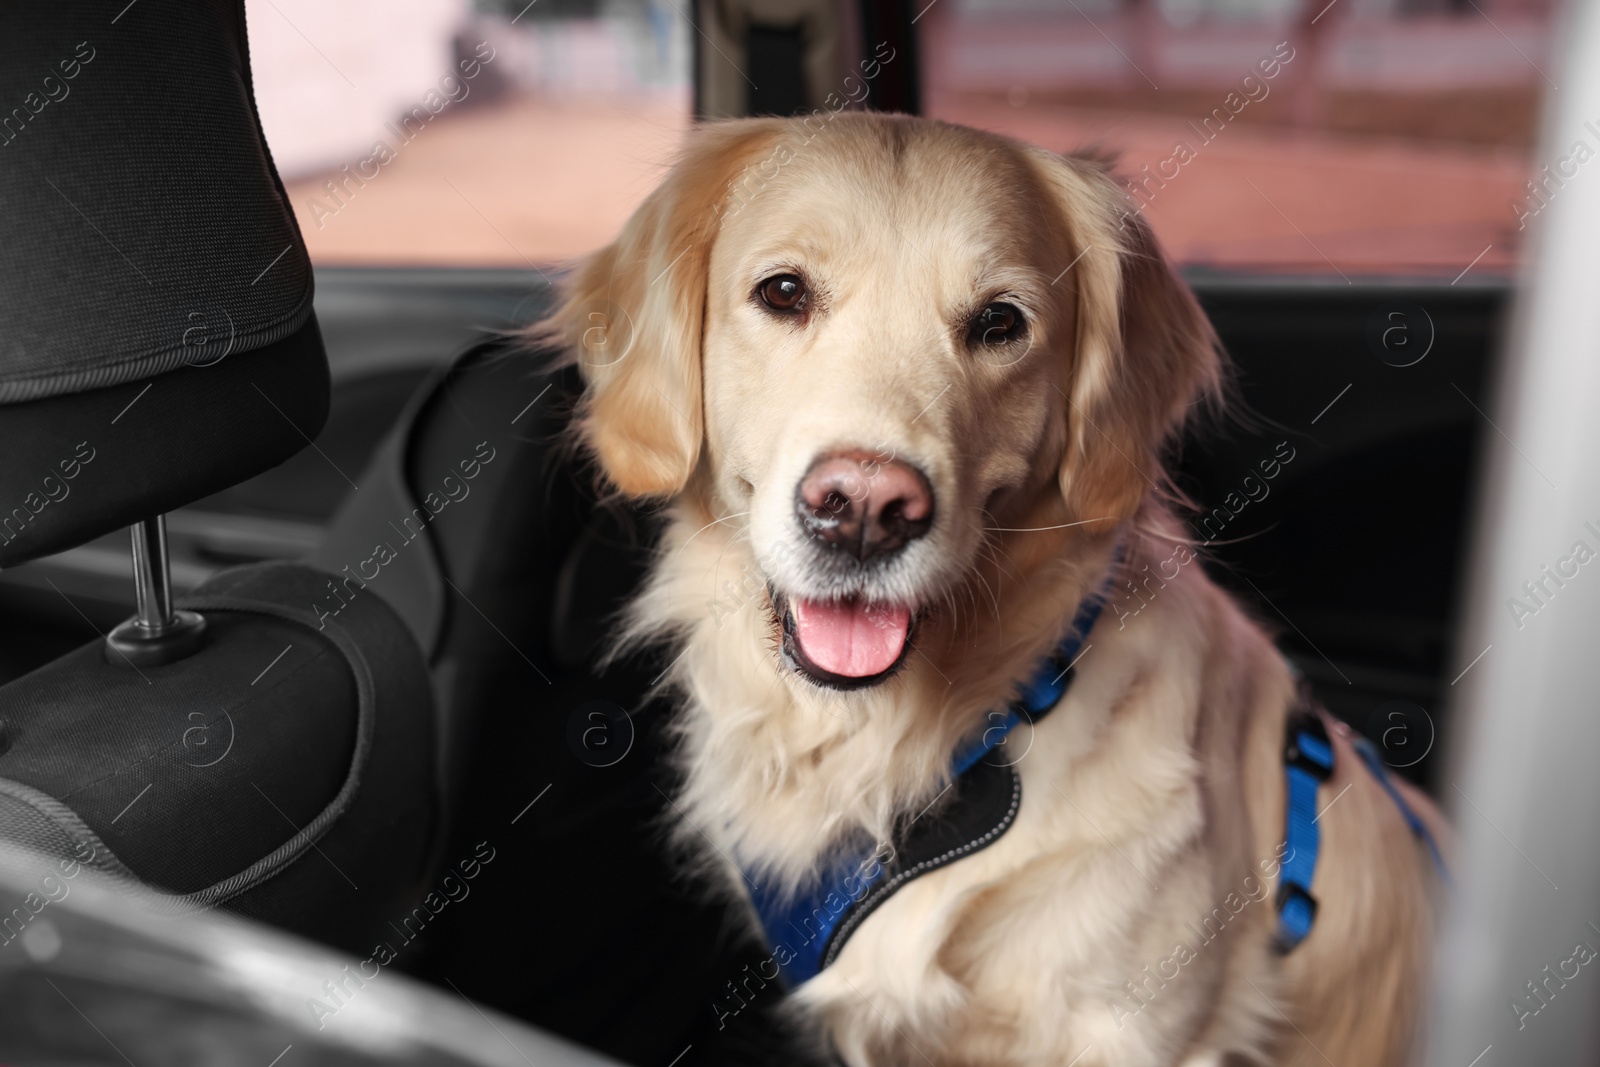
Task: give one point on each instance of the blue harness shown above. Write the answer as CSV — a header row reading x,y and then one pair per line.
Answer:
x,y
807,930
1308,762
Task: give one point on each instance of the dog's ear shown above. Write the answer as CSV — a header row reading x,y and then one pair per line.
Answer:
x,y
1144,350
632,317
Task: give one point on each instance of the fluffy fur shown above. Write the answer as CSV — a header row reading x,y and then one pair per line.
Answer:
x,y
1154,795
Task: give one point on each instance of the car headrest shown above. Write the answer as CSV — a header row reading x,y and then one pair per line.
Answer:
x,y
156,336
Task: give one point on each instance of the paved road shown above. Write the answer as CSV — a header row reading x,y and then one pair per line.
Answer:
x,y
531,180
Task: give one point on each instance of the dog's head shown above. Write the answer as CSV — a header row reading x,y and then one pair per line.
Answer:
x,y
885,344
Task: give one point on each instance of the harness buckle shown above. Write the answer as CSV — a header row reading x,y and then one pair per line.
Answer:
x,y
1297,913
1308,747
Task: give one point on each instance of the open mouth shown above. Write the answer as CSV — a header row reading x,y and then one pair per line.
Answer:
x,y
843,644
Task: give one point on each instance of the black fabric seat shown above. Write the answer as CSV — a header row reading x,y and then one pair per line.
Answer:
x,y
157,344
276,772
78,465
147,242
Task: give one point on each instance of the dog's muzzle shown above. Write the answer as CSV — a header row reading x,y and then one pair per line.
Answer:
x,y
861,509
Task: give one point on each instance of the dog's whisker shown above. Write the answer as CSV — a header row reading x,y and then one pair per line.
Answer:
x,y
998,551
1004,565
955,600
1041,529
707,526
978,574
1162,535
1239,540
716,567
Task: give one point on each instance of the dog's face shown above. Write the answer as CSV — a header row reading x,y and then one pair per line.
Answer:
x,y
884,349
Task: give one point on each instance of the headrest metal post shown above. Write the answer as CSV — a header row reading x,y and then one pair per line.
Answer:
x,y
152,582
156,633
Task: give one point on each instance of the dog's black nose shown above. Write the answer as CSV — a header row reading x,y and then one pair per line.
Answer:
x,y
863,503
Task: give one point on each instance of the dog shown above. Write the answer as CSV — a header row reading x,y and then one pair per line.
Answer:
x,y
904,390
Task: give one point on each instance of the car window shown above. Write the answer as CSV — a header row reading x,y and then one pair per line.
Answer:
x,y
1342,139
432,132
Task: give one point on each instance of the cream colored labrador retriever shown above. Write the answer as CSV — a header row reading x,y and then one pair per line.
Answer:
x,y
907,388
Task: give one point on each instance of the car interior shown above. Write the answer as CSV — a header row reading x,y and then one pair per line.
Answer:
x,y
212,447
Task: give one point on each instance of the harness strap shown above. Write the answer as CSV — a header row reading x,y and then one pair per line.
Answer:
x,y
1044,690
1308,761
1369,756
808,931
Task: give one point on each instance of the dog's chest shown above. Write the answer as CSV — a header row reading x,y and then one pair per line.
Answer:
x,y
1028,936
914,952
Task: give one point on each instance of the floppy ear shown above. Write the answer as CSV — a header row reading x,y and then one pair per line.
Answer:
x,y
1145,351
632,317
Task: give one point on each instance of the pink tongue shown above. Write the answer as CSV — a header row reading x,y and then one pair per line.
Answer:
x,y
850,638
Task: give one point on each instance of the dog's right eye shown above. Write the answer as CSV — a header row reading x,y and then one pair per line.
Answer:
x,y
785,293
997,324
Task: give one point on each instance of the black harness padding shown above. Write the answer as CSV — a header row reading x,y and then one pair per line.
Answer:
x,y
987,799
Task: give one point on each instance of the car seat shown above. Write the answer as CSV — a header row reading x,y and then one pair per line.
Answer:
x,y
157,344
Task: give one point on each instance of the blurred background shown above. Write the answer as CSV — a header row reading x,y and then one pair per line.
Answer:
x,y
1393,138
1348,186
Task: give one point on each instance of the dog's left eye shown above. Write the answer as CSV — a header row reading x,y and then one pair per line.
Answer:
x,y
785,293
997,324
